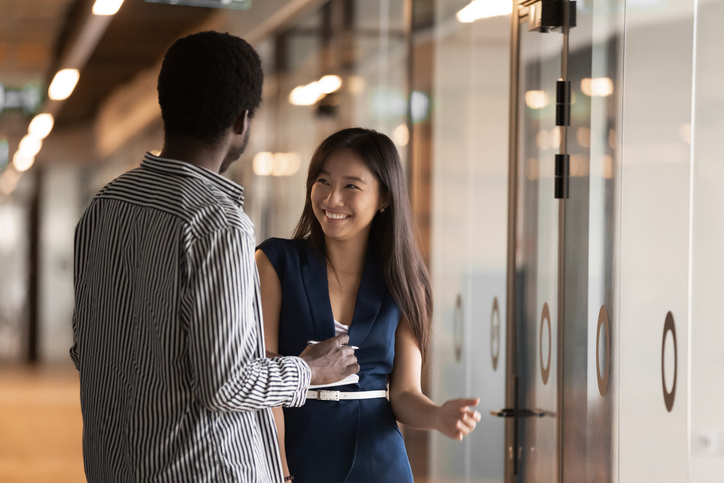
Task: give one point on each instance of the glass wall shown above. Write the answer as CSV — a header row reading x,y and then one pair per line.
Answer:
x,y
707,262
655,196
469,234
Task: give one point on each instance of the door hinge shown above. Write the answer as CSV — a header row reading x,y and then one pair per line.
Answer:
x,y
545,15
563,103
562,176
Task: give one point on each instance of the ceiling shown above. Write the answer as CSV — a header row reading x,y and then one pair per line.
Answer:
x,y
35,33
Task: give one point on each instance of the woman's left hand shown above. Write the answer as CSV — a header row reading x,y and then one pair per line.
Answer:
x,y
455,418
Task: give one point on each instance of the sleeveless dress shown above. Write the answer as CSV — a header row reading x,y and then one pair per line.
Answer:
x,y
350,441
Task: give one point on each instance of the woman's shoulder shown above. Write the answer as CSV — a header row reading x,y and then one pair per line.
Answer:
x,y
282,244
281,251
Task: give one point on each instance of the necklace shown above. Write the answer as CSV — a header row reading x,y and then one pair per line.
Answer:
x,y
342,271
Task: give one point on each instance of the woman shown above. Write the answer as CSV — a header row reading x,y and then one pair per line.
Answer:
x,y
353,266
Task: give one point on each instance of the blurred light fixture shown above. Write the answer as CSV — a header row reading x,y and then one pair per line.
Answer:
x,y
30,145
263,163
401,135
63,84
597,87
556,137
41,125
583,136
22,161
276,164
478,9
106,7
329,84
543,140
536,99
312,92
305,95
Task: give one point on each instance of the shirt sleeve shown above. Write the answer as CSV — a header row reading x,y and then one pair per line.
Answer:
x,y
221,312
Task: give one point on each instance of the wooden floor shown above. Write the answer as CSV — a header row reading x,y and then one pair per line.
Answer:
x,y
40,425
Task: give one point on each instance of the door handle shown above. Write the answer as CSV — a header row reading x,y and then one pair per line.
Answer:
x,y
522,413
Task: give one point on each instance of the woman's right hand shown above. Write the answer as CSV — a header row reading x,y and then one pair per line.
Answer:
x,y
455,418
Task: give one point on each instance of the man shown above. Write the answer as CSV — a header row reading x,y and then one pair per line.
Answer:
x,y
168,339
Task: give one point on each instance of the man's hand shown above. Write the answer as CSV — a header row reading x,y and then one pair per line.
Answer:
x,y
330,360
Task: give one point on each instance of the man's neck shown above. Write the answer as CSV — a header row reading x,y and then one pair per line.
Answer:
x,y
196,153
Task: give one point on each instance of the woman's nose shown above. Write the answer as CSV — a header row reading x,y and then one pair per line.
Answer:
x,y
334,198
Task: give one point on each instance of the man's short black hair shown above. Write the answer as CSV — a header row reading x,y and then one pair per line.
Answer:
x,y
207,81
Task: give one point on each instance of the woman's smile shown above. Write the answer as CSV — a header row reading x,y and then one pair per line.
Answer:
x,y
345,196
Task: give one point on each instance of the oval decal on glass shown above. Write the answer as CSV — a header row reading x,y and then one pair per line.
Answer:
x,y
604,327
495,333
669,396
545,320
458,324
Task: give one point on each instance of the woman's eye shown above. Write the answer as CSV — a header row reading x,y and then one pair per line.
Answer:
x,y
352,186
322,180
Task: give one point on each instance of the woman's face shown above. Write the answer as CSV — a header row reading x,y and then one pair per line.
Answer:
x,y
345,196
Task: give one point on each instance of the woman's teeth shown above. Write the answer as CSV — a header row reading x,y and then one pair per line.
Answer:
x,y
334,216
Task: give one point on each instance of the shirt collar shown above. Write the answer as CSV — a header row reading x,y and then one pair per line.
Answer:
x,y
176,167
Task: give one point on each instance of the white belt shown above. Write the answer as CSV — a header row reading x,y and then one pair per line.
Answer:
x,y
338,395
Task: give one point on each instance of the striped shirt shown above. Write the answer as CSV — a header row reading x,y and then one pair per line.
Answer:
x,y
168,337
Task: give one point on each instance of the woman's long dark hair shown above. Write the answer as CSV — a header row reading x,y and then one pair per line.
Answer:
x,y
391,232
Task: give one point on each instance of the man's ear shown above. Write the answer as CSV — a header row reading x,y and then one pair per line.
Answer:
x,y
241,125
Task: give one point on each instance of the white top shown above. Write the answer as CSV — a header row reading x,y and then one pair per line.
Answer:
x,y
339,329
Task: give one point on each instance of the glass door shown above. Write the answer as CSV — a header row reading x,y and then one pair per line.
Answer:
x,y
539,222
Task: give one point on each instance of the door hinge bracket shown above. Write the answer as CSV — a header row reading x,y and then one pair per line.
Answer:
x,y
546,15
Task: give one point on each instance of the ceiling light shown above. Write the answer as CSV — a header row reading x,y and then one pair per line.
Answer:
x,y
536,99
106,7
22,161
305,95
401,135
597,87
41,125
478,9
63,84
30,146
329,84
263,163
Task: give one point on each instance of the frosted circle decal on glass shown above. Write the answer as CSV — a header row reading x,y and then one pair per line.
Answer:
x,y
603,350
545,320
669,396
495,333
458,328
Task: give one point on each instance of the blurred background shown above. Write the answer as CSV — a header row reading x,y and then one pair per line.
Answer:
x,y
599,313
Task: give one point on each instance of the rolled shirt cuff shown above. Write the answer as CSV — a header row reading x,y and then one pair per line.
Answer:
x,y
304,378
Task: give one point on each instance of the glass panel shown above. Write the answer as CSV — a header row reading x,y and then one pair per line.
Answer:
x,y
469,250
707,332
538,213
14,242
450,373
61,207
487,154
654,240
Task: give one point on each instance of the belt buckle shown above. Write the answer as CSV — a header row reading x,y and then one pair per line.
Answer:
x,y
328,395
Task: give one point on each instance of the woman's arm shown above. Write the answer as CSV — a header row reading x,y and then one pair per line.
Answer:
x,y
454,419
271,305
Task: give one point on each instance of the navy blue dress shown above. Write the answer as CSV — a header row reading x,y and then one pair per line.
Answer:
x,y
351,441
